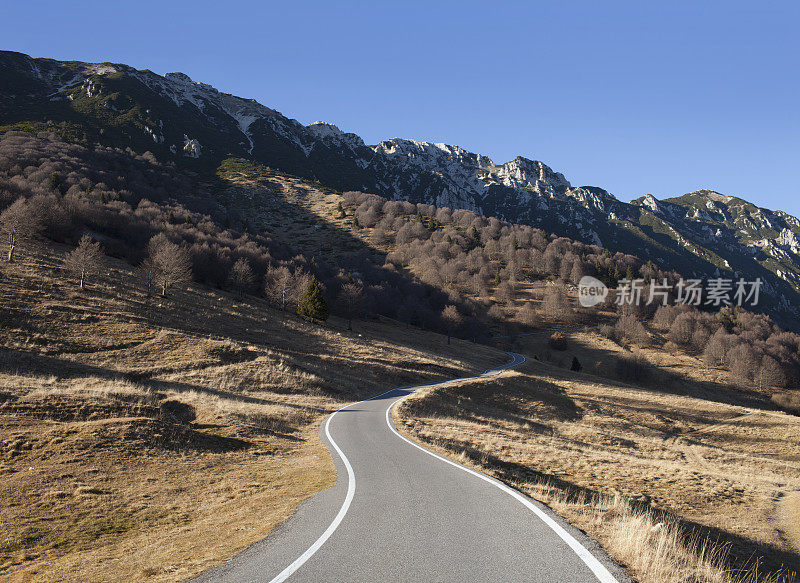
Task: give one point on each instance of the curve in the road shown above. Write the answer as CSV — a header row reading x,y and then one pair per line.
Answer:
x,y
597,568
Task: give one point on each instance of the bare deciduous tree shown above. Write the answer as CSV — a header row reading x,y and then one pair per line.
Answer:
x,y
241,276
664,317
148,274
578,271
449,272
770,374
282,287
452,319
716,351
84,261
629,329
682,329
506,293
527,314
278,286
743,363
171,263
18,223
556,303
351,302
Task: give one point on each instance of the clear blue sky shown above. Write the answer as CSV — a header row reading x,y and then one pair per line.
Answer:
x,y
636,97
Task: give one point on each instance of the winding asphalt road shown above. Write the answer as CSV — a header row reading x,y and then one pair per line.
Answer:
x,y
399,512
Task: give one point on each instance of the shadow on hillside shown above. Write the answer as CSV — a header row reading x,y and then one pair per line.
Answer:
x,y
600,363
300,342
31,364
748,264
508,401
333,247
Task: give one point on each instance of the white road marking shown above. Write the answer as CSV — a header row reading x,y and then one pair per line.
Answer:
x,y
351,490
582,552
603,575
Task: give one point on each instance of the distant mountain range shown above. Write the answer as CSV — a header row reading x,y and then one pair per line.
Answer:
x,y
703,233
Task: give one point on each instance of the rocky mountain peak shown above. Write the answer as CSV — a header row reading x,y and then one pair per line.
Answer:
x,y
321,130
532,175
179,77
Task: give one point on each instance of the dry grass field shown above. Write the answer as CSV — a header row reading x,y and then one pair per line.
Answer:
x,y
149,438
644,469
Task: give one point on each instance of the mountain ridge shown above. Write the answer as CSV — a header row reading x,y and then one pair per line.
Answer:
x,y
702,233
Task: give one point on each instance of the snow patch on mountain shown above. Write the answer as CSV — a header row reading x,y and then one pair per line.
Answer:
x,y
191,148
157,138
790,240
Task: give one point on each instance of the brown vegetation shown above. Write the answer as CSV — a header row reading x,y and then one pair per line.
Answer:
x,y
149,438
83,261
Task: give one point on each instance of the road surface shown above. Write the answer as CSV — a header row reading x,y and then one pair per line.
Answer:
x,y
399,512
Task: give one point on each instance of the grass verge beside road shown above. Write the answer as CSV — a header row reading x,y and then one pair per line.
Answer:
x,y
677,488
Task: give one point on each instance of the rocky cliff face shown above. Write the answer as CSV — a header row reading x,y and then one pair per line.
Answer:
x,y
176,118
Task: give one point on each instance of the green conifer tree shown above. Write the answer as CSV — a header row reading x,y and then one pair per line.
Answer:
x,y
313,305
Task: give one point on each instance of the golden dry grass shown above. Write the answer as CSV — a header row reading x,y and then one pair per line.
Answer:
x,y
715,467
652,544
152,438
790,515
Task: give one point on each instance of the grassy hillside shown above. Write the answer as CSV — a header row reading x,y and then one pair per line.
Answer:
x,y
149,438
657,470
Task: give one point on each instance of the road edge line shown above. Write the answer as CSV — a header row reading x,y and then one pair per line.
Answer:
x,y
351,477
593,563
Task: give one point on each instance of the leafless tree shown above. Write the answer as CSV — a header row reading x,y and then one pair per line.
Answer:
x,y
18,223
351,302
367,217
284,288
505,293
743,363
278,287
607,331
172,263
450,272
556,303
493,250
513,270
700,337
452,319
632,367
664,317
380,236
551,261
497,313
84,261
770,374
682,329
527,314
148,274
630,329
578,271
241,276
